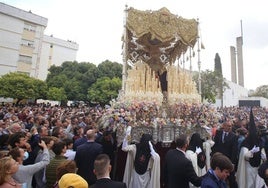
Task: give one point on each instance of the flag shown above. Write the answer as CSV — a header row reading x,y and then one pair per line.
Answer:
x,y
202,45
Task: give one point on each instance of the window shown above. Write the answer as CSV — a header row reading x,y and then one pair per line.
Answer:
x,y
28,43
25,59
29,27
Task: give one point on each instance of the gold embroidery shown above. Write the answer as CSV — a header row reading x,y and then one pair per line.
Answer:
x,y
155,34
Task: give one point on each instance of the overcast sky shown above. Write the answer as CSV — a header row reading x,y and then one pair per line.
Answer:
x,y
97,26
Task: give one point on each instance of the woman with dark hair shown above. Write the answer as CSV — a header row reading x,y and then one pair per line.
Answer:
x,y
78,132
142,165
195,153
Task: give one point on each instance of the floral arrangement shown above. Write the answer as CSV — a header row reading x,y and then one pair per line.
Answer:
x,y
187,117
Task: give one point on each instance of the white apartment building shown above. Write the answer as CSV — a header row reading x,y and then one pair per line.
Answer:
x,y
232,95
54,52
24,47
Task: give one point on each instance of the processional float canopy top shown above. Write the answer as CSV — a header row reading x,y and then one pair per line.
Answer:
x,y
158,37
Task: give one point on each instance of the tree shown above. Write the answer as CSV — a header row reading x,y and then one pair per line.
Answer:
x,y
57,94
261,91
209,89
217,65
57,80
53,71
218,72
73,90
104,90
40,89
75,78
20,86
110,69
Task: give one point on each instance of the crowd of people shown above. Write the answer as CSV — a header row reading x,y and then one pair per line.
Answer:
x,y
46,146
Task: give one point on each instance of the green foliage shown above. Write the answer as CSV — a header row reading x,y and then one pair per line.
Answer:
x,y
56,81
209,85
219,82
40,89
70,81
75,78
54,71
213,83
21,86
109,69
57,94
104,90
217,66
261,91
74,90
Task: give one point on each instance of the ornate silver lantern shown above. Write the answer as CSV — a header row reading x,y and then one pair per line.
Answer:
x,y
166,135
137,132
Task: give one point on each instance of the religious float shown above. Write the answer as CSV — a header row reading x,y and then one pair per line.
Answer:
x,y
156,89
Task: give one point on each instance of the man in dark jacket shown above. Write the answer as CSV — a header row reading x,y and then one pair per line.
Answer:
x,y
102,169
227,144
178,170
85,157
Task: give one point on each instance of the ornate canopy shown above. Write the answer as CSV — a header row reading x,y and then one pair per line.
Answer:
x,y
158,37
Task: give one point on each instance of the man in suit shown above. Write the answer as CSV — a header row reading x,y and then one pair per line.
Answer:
x,y
85,157
226,143
178,170
102,169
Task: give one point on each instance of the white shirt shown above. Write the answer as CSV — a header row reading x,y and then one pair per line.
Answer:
x,y
70,154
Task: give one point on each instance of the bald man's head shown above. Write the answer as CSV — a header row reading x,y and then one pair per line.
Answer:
x,y
91,134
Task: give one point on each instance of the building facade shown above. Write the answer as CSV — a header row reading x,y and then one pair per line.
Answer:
x,y
24,47
232,95
54,52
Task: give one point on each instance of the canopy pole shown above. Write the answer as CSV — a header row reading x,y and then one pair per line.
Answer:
x,y
198,61
125,50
